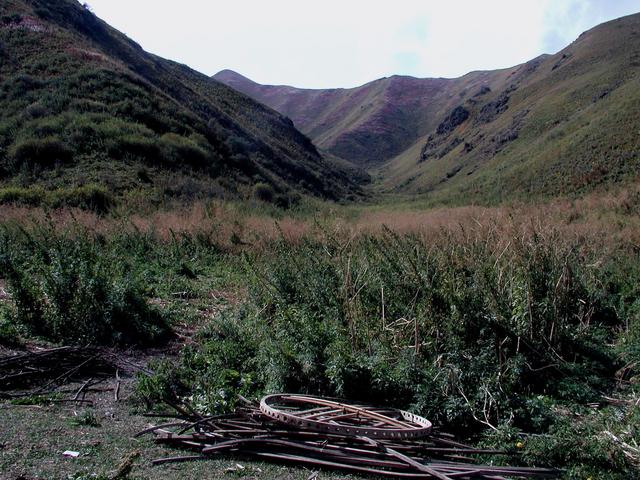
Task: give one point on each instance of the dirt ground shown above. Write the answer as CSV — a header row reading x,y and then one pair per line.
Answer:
x,y
33,439
36,432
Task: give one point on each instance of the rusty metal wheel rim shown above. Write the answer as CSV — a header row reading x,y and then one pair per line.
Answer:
x,y
407,425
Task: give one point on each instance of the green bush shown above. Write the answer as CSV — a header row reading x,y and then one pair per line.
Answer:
x,y
461,325
40,152
88,197
71,290
165,384
177,151
263,192
517,337
36,110
138,146
585,443
9,333
33,196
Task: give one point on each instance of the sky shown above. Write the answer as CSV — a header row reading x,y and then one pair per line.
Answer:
x,y
346,43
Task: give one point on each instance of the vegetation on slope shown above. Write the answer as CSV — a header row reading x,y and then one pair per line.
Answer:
x,y
559,124
562,124
83,105
366,125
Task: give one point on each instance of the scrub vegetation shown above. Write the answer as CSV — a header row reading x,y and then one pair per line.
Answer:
x,y
515,327
89,120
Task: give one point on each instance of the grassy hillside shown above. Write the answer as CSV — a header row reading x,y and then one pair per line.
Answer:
x,y
366,125
562,123
86,114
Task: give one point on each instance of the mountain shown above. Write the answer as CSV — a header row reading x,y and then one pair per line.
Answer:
x,y
81,104
557,124
366,125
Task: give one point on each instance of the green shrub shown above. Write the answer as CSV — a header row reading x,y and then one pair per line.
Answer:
x,y
144,148
461,325
9,333
166,384
33,196
581,442
263,192
88,197
508,341
35,152
70,290
36,110
288,200
179,151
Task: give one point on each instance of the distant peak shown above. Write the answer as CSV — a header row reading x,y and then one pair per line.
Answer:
x,y
227,74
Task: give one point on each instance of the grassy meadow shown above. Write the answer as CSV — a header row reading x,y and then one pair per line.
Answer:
x,y
516,327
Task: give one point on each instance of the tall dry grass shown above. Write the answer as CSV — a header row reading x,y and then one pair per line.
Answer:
x,y
604,222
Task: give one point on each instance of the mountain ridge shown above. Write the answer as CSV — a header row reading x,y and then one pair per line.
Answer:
x,y
84,104
386,105
487,135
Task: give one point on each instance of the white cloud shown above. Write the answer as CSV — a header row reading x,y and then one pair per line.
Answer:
x,y
350,42
565,20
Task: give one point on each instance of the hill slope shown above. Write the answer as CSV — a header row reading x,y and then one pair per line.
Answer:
x,y
81,104
559,123
367,124
562,124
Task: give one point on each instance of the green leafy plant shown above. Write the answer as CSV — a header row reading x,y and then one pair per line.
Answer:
x,y
86,418
69,289
478,333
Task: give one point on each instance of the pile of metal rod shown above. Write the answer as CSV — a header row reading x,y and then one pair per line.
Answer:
x,y
379,442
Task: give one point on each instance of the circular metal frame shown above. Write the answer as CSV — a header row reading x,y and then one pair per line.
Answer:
x,y
379,425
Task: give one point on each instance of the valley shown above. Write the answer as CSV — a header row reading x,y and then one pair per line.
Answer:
x,y
556,125
175,246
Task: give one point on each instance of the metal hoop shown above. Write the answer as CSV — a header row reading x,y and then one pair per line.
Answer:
x,y
330,417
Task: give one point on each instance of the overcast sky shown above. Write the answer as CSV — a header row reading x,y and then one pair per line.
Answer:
x,y
345,43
